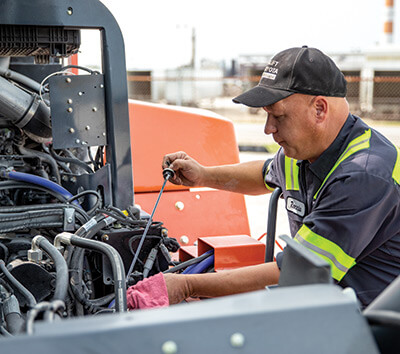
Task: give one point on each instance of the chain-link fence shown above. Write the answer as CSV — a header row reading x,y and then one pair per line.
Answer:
x,y
377,97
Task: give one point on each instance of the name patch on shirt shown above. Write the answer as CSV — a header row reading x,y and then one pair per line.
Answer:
x,y
295,206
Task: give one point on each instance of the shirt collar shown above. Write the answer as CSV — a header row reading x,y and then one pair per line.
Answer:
x,y
321,167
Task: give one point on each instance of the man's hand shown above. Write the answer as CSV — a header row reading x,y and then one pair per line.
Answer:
x,y
188,172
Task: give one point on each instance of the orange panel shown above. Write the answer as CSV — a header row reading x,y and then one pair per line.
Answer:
x,y
233,251
187,252
157,130
204,213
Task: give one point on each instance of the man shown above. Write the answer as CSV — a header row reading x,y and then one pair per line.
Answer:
x,y
340,181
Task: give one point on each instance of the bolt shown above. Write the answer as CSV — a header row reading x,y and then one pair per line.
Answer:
x,y
71,130
198,196
69,101
68,80
84,143
94,109
101,86
77,141
69,110
184,240
87,127
70,11
65,178
73,179
237,340
80,93
179,206
104,134
69,220
169,347
105,238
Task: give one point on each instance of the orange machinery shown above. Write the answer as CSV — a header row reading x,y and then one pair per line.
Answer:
x,y
188,213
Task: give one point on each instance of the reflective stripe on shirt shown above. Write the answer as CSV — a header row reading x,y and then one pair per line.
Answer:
x,y
396,169
291,174
357,144
339,261
271,189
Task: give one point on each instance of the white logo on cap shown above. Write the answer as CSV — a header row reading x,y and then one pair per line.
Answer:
x,y
271,70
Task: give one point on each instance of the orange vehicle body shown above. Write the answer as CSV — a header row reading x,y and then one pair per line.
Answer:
x,y
189,213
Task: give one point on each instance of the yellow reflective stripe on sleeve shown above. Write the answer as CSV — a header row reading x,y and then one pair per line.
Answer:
x,y
291,174
339,261
396,169
359,143
271,189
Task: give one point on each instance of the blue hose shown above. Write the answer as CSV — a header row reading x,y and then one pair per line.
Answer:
x,y
40,181
201,266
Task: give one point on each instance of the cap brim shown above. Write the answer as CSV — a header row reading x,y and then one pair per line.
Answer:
x,y
261,96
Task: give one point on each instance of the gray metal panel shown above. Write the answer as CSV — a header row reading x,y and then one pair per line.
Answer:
x,y
91,14
77,111
306,319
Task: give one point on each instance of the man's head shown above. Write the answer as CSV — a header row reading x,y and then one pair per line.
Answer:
x,y
303,92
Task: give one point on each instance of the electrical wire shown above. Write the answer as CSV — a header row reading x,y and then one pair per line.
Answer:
x,y
62,72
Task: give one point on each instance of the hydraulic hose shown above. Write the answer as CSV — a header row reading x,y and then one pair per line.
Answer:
x,y
42,156
16,76
12,315
26,177
24,291
188,263
200,267
40,242
115,260
72,160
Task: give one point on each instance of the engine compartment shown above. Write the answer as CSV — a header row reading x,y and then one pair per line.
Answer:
x,y
65,247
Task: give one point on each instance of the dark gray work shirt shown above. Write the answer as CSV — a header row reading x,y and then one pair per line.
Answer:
x,y
345,206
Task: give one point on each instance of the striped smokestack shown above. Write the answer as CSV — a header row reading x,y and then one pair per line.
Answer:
x,y
388,24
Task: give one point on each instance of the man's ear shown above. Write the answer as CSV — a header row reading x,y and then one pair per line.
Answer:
x,y
321,107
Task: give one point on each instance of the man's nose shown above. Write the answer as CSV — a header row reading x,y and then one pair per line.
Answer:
x,y
270,127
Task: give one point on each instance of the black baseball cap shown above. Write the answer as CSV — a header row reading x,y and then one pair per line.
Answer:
x,y
296,70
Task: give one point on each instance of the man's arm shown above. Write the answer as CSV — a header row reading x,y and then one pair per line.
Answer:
x,y
243,178
229,282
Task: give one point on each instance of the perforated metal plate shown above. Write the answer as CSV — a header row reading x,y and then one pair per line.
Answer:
x,y
77,111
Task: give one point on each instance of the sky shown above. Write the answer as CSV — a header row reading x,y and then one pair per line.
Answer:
x,y
157,33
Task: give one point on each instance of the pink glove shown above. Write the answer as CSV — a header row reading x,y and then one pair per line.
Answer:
x,y
148,293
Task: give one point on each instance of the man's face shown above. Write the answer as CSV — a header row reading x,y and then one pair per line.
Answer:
x,y
292,124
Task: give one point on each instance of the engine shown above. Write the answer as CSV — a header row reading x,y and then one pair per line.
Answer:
x,y
65,248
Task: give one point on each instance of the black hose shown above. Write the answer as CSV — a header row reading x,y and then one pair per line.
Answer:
x,y
84,193
61,289
44,207
75,262
116,262
24,291
42,156
25,185
12,315
72,160
271,225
